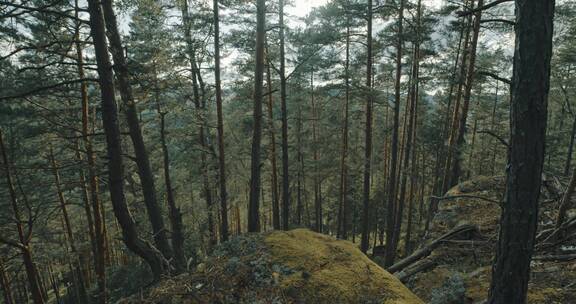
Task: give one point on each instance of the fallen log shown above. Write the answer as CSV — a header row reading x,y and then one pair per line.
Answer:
x,y
558,258
418,267
427,250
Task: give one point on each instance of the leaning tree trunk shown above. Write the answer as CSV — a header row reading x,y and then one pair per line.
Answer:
x,y
254,201
529,91
135,130
130,233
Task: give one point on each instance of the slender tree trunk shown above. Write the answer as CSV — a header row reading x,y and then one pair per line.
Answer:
x,y
445,128
97,212
412,128
199,105
285,159
300,167
493,129
409,132
452,140
317,189
456,167
368,138
142,159
220,127
566,200
68,228
342,229
274,173
254,202
391,212
529,91
23,245
175,215
6,286
131,237
570,147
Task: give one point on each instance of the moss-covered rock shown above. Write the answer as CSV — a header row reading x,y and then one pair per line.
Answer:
x,y
297,266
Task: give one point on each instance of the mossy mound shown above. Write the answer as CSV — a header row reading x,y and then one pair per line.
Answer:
x,y
332,271
297,266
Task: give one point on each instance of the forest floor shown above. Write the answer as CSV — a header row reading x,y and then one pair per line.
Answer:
x,y
300,266
466,264
297,266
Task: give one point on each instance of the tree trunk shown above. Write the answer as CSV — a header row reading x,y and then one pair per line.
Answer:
x,y
274,174
391,212
440,161
254,202
142,160
342,229
317,189
566,200
412,127
199,105
285,159
456,167
220,127
6,286
68,228
570,146
529,91
446,182
100,249
131,237
175,215
23,245
368,138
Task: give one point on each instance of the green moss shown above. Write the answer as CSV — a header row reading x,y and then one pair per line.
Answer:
x,y
332,271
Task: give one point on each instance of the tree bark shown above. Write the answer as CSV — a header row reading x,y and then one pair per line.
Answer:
x,y
446,182
342,230
220,127
274,170
140,247
317,189
529,91
6,286
391,212
83,296
175,216
199,105
364,244
285,158
99,232
142,159
23,238
254,201
456,167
